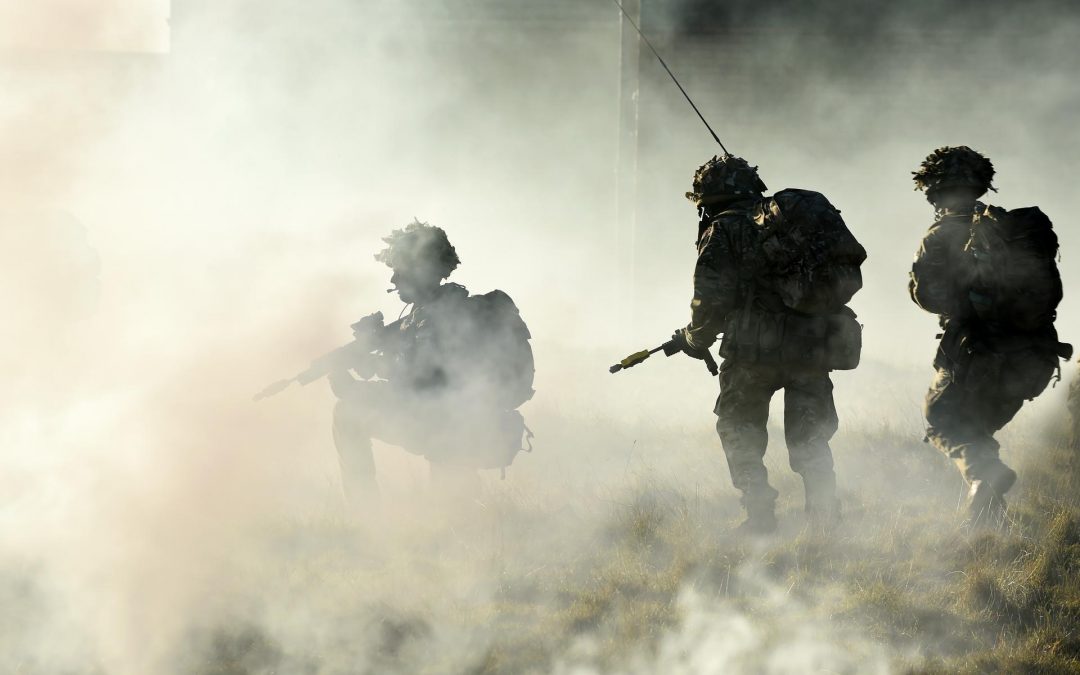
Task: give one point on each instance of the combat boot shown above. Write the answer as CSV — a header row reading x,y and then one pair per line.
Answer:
x,y
760,508
822,506
986,497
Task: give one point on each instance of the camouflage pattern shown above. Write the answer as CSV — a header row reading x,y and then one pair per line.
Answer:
x,y
742,411
940,277
727,249
729,287
452,372
723,177
986,365
431,427
958,166
420,246
980,383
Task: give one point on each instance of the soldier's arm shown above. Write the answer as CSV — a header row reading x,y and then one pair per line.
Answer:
x,y
715,289
934,284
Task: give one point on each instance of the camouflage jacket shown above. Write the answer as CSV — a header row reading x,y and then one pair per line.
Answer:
x,y
430,341
729,273
1005,307
940,276
470,347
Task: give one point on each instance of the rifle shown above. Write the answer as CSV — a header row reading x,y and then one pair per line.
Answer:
x,y
669,348
369,335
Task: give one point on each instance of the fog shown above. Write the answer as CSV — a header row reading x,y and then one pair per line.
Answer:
x,y
190,210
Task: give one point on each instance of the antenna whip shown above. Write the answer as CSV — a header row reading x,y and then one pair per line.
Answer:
x,y
673,78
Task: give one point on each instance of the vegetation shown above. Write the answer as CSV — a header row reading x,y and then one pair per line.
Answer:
x,y
647,576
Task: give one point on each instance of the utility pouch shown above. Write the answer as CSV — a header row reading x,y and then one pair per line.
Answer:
x,y
954,349
820,342
503,441
1011,366
843,340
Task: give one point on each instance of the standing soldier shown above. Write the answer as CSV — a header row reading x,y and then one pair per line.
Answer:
x,y
451,373
773,275
991,277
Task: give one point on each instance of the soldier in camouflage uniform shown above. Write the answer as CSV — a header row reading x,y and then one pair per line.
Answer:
x,y
992,279
451,374
731,286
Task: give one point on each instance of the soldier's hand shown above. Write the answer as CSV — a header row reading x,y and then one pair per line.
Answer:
x,y
680,341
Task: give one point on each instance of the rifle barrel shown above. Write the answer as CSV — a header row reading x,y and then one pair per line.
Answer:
x,y
274,389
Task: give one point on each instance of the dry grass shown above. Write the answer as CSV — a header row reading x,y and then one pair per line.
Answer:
x,y
598,584
645,575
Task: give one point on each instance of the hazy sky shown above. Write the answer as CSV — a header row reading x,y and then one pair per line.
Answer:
x,y
98,25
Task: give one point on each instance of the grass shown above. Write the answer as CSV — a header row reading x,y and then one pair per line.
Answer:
x,y
619,580
642,573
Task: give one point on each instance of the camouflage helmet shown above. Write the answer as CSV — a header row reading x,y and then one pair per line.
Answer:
x,y
419,246
958,166
726,176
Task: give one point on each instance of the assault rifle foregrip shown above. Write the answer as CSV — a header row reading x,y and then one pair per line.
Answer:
x,y
670,348
632,360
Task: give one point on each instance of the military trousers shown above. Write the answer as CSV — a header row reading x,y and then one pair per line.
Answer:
x,y
457,436
810,421
961,423
977,389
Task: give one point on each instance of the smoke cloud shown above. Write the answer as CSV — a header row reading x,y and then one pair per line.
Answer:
x,y
181,227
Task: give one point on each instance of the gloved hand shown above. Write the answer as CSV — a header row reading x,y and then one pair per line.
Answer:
x,y
679,342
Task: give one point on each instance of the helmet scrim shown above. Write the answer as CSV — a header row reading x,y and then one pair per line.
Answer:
x,y
419,247
725,177
958,166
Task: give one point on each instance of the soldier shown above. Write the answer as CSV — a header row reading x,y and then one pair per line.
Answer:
x,y
452,373
991,277
780,304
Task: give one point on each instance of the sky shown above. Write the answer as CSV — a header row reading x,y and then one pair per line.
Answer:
x,y
93,25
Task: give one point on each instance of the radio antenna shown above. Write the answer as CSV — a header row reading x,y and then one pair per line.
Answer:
x,y
673,78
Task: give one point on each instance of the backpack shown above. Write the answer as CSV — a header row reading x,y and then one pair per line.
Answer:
x,y
501,340
812,258
1015,280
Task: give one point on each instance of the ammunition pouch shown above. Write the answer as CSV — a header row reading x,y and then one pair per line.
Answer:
x,y
488,442
817,342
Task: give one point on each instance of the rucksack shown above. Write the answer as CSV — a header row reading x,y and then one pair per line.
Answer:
x,y
813,259
502,341
1013,256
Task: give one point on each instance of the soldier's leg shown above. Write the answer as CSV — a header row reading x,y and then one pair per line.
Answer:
x,y
809,423
356,422
993,409
961,422
742,413
953,425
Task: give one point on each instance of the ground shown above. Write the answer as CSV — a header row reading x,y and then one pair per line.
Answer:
x,y
645,575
